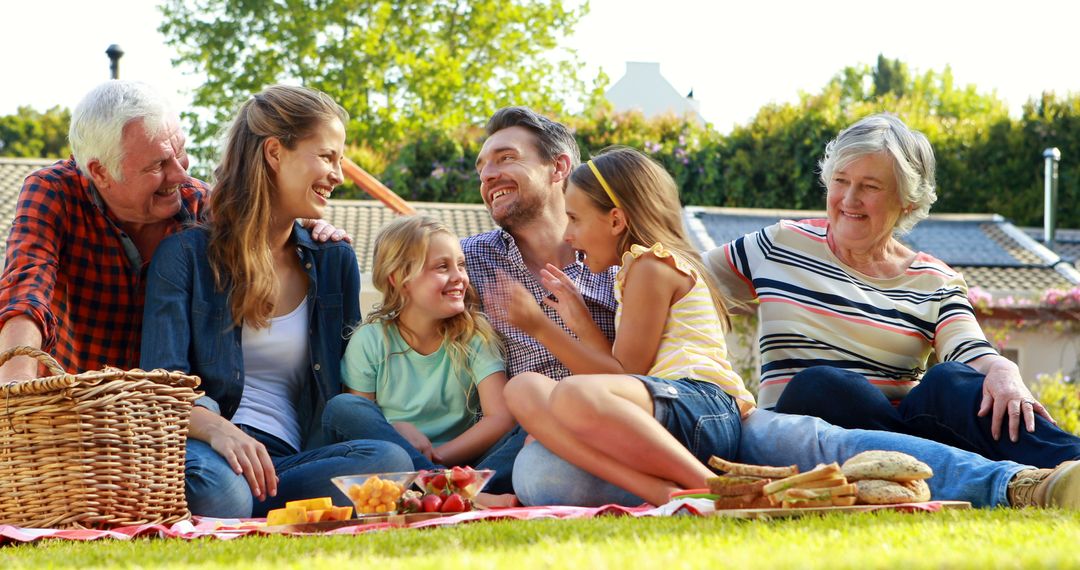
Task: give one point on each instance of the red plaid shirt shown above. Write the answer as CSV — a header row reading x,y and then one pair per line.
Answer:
x,y
74,272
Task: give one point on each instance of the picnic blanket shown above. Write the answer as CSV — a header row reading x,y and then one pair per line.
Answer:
x,y
226,529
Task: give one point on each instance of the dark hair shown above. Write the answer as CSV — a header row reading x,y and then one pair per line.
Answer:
x,y
552,138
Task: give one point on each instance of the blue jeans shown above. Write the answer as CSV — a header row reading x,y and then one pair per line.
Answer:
x,y
942,407
348,416
769,438
213,489
701,416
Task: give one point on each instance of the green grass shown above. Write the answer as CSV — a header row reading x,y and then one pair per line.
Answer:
x,y
977,539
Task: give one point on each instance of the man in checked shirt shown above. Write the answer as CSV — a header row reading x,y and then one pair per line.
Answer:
x,y
523,167
85,229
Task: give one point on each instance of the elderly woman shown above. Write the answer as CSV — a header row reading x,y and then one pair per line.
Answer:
x,y
850,314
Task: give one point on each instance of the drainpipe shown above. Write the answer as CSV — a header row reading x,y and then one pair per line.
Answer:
x,y
1051,157
115,53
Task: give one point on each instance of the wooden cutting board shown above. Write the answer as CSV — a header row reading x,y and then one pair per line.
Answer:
x,y
777,512
323,526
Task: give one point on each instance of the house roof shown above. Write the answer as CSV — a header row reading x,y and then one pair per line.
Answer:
x,y
1066,243
13,171
991,252
361,218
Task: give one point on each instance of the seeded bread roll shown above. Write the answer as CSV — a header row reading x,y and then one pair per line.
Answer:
x,y
881,492
889,465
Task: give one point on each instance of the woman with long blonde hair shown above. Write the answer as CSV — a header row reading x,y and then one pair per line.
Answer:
x,y
257,309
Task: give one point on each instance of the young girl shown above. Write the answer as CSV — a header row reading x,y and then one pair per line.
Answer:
x,y
426,361
647,412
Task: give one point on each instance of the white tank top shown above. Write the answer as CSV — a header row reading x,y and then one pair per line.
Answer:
x,y
276,365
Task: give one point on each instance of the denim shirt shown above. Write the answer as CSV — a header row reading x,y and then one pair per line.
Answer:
x,y
187,323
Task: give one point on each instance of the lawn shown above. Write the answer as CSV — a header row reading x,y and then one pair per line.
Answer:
x,y
978,539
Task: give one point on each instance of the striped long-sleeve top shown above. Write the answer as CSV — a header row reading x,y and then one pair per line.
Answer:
x,y
814,310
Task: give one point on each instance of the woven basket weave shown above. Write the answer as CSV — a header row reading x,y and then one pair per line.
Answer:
x,y
97,449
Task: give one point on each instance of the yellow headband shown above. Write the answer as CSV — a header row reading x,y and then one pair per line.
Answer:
x,y
603,183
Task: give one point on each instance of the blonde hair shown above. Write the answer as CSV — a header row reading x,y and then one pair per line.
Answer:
x,y
240,203
401,249
649,199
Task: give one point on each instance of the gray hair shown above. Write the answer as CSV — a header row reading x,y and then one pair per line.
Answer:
x,y
552,138
913,160
97,124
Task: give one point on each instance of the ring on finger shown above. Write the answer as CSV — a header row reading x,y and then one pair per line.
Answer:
x,y
1028,401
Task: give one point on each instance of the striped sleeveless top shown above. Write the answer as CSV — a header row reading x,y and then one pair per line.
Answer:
x,y
692,345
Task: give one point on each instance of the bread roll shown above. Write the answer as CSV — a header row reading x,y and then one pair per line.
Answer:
x,y
890,465
881,492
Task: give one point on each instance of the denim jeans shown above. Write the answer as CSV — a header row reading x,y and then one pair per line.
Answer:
x,y
348,417
699,415
214,489
942,407
769,438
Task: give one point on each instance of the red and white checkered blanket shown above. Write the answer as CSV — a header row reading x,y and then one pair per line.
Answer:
x,y
225,529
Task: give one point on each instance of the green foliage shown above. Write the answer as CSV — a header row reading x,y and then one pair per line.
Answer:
x,y
31,134
399,67
435,167
987,161
1061,396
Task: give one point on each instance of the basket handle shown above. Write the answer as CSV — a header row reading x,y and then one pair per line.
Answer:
x,y
40,355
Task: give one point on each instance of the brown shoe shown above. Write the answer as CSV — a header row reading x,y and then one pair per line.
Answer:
x,y
1058,487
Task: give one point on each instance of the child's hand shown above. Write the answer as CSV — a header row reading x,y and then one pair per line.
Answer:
x,y
415,438
510,302
522,310
566,299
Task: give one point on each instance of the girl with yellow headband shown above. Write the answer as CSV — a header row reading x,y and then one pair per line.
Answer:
x,y
647,411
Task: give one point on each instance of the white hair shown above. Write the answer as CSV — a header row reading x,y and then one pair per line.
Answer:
x,y
913,162
97,124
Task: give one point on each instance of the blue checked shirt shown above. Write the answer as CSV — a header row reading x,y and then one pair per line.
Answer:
x,y
489,252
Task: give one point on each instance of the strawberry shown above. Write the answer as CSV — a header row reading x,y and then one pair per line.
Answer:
x,y
455,503
431,503
462,477
437,483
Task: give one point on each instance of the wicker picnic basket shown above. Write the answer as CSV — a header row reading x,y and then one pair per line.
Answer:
x,y
94,450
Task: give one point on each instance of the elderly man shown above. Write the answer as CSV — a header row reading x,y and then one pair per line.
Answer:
x,y
85,229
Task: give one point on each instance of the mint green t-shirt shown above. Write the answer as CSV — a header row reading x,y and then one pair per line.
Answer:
x,y
410,387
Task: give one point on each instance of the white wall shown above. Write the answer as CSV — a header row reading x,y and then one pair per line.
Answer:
x,y
1046,352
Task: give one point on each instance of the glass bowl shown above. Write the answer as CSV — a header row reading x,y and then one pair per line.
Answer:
x,y
375,493
467,482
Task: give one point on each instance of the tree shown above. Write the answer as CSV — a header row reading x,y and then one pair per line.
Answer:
x,y
890,76
399,67
32,134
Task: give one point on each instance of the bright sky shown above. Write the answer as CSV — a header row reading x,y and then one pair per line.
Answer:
x,y
736,56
